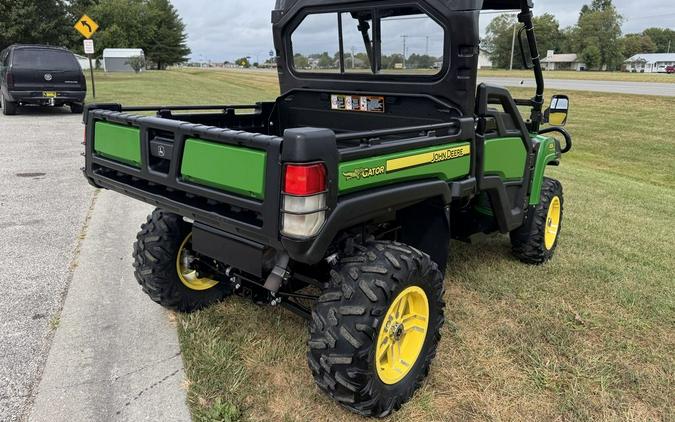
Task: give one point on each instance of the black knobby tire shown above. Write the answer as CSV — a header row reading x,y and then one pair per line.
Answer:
x,y
347,318
528,241
8,108
155,254
76,108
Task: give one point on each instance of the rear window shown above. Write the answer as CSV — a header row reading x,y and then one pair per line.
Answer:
x,y
43,59
398,40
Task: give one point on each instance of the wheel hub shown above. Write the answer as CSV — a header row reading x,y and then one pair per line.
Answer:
x,y
402,335
189,276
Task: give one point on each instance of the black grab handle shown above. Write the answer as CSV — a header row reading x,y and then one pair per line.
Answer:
x,y
564,133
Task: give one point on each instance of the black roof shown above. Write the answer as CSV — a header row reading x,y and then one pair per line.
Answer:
x,y
51,47
452,4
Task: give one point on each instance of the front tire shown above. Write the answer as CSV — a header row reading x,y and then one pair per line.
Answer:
x,y
536,240
375,329
159,262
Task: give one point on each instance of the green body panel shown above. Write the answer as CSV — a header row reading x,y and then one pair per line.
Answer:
x,y
233,169
548,153
505,157
445,162
118,142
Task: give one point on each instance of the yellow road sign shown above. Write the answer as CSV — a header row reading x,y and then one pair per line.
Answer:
x,y
86,26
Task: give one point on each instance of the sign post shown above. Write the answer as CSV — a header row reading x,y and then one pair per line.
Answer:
x,y
87,27
89,50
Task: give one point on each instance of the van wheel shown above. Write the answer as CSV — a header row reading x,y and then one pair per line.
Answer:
x,y
76,108
164,260
375,329
8,107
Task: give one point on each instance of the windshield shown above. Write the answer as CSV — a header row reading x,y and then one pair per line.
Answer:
x,y
43,59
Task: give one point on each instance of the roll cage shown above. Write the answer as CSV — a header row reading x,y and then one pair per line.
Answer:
x,y
454,86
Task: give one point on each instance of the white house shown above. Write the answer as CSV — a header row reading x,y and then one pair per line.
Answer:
x,y
562,62
650,63
116,59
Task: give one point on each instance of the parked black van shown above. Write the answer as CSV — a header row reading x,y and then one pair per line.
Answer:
x,y
41,75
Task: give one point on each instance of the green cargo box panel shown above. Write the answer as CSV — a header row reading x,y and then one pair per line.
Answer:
x,y
118,143
444,162
234,169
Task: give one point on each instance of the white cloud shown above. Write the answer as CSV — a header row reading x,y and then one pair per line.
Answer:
x,y
229,29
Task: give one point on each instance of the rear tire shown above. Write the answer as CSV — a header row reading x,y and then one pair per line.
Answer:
x,y
536,240
155,261
76,108
352,330
8,108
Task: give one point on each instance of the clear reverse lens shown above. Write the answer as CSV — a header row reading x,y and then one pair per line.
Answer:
x,y
304,204
306,225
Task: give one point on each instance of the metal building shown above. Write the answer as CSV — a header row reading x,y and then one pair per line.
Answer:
x,y
117,59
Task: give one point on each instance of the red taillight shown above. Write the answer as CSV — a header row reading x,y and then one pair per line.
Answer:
x,y
303,180
10,80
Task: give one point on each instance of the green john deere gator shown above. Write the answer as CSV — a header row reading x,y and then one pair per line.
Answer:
x,y
338,201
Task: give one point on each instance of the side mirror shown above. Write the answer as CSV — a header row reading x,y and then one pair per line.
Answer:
x,y
524,44
556,114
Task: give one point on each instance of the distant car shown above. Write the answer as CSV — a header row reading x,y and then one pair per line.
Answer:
x,y
41,75
670,69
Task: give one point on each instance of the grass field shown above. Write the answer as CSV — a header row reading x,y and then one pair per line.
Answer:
x,y
589,336
595,76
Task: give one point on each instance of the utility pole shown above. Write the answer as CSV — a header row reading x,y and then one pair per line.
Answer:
x,y
427,47
513,45
405,38
353,51
669,41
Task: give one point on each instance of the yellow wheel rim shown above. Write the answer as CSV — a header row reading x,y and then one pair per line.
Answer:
x,y
552,223
402,335
187,275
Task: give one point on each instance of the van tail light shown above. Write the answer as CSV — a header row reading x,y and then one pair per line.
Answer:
x,y
303,205
10,80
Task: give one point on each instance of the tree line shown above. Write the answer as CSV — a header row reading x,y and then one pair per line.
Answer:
x,y
152,25
596,38
361,61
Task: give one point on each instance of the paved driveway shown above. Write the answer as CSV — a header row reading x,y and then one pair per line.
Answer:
x,y
43,204
109,353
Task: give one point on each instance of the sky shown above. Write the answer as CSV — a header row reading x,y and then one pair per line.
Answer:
x,y
229,29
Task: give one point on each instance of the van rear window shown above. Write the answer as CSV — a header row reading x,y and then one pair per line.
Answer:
x,y
43,59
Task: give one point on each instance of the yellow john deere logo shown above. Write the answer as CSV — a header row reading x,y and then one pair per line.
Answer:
x,y
432,157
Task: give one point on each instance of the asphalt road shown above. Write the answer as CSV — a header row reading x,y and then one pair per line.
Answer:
x,y
67,280
637,88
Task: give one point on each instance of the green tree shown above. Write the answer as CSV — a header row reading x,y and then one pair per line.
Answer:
x,y
663,38
165,44
34,22
549,35
243,61
500,37
592,56
152,25
498,40
637,43
300,61
599,29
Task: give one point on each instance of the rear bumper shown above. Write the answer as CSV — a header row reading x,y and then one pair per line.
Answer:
x,y
37,97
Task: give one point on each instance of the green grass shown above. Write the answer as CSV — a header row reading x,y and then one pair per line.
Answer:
x,y
595,76
589,336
